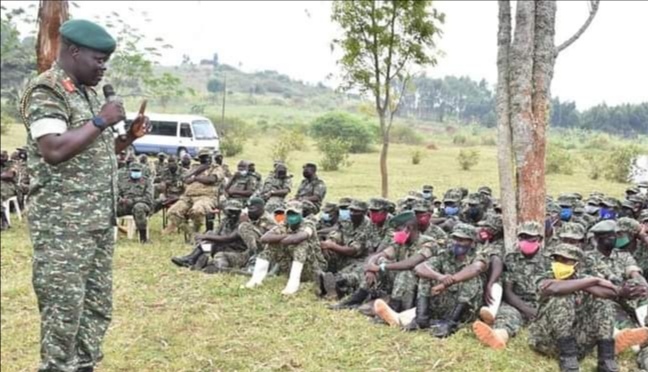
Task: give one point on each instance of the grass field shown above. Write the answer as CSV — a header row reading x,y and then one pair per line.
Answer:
x,y
169,319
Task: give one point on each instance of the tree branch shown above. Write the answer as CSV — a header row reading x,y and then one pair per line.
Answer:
x,y
406,80
376,62
594,8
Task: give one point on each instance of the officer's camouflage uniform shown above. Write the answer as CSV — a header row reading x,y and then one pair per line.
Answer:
x,y
135,198
71,218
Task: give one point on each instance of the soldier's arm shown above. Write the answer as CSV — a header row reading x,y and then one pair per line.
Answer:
x,y
469,272
514,300
602,292
273,236
8,175
206,180
553,287
495,269
342,249
213,238
406,264
296,238
428,270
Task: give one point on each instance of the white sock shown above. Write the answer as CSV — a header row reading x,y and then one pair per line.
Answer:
x,y
496,294
294,279
406,317
260,271
641,312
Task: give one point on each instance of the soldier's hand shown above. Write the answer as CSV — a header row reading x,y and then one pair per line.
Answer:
x,y
488,299
447,280
112,112
437,289
530,314
370,278
372,268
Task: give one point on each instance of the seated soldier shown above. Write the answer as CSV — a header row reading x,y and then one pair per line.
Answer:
x,y
570,233
345,251
455,300
329,220
171,184
146,169
473,210
160,166
293,247
421,208
491,237
185,161
224,237
257,176
8,178
380,234
451,208
251,228
275,188
392,269
312,188
522,268
242,184
428,192
573,315
136,198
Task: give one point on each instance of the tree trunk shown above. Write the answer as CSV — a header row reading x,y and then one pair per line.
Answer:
x,y
504,154
51,15
384,175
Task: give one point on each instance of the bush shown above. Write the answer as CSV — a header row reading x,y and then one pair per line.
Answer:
x,y
619,162
335,153
234,132
417,155
344,127
488,141
459,139
288,141
559,161
5,121
468,159
405,135
231,146
595,165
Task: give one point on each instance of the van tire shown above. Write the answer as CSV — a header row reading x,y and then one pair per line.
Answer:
x,y
181,152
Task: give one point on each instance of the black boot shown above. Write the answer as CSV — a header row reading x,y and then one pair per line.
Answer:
x,y
5,223
396,304
188,260
85,369
142,236
448,326
606,360
422,319
568,354
356,299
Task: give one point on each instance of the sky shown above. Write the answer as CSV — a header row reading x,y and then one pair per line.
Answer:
x,y
607,64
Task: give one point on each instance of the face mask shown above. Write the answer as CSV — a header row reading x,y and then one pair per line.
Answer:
x,y
377,217
528,248
565,214
326,217
204,160
427,195
591,209
281,175
233,214
451,211
306,174
243,173
173,167
485,235
474,213
294,219
280,217
22,156
459,250
607,243
562,271
401,237
621,242
136,175
423,219
607,214
345,215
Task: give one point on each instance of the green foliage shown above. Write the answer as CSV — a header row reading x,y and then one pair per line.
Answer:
x,y
417,156
232,146
234,132
335,153
559,161
595,164
468,159
215,86
488,141
5,121
345,127
165,88
618,163
405,135
287,142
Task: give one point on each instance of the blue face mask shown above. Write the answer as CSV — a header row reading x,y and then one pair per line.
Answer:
x,y
459,250
345,215
607,214
565,214
451,211
136,175
427,195
326,217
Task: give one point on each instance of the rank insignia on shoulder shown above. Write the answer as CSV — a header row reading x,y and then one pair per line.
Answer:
x,y
68,85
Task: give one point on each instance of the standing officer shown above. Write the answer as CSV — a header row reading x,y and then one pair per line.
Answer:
x,y
72,199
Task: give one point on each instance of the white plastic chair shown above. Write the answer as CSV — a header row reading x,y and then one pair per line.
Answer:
x,y
7,207
129,222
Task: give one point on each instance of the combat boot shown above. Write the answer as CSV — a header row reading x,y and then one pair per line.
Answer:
x,y
568,354
143,236
328,287
356,299
606,361
201,262
85,369
448,326
188,260
422,318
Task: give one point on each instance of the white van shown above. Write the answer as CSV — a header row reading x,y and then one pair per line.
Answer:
x,y
176,135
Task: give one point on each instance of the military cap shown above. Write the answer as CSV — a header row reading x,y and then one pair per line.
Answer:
x,y
579,206
572,230
627,224
378,204
233,204
330,207
345,202
294,206
485,190
464,192
636,198
421,205
359,205
610,202
577,195
492,220
474,199
568,251
643,217
465,231
161,155
414,194
632,190
553,208
594,200
428,188
280,208
627,204
453,196
401,219
88,34
136,166
309,207
204,152
549,199
531,228
256,201
605,226
566,200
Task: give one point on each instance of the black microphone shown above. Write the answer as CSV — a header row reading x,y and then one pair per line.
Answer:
x,y
109,93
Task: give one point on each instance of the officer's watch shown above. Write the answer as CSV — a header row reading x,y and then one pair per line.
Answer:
x,y
99,122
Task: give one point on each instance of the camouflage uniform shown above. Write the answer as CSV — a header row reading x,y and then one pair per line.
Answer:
x,y
135,198
8,189
272,183
242,183
487,250
580,315
314,186
641,253
71,218
379,236
473,210
172,185
571,230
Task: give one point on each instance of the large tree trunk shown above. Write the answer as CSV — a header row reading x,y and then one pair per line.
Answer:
x,y
51,15
384,175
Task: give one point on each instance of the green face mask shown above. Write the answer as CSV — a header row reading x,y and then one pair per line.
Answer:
x,y
621,242
294,219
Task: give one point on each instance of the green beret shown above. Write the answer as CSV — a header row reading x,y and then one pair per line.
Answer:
x,y
401,219
256,201
569,251
606,226
88,34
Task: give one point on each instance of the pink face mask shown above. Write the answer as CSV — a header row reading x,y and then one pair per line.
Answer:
x,y
529,248
400,237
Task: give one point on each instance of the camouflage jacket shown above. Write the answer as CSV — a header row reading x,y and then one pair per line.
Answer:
x,y
523,273
173,182
443,261
353,237
160,169
197,189
378,236
272,183
136,191
9,187
495,248
424,246
615,268
436,232
80,192
312,187
242,183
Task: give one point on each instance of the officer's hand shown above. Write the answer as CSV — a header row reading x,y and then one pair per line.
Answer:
x,y
140,126
112,112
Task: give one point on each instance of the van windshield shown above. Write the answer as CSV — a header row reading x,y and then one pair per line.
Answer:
x,y
204,130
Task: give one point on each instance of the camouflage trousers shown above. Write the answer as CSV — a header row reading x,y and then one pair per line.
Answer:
x,y
239,257
193,207
273,203
283,256
351,276
583,316
139,211
510,319
469,292
72,279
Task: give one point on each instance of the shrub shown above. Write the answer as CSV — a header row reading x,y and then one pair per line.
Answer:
x,y
346,128
405,135
595,165
431,146
459,139
559,161
5,121
468,159
288,141
488,141
417,155
234,132
231,146
619,162
335,153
